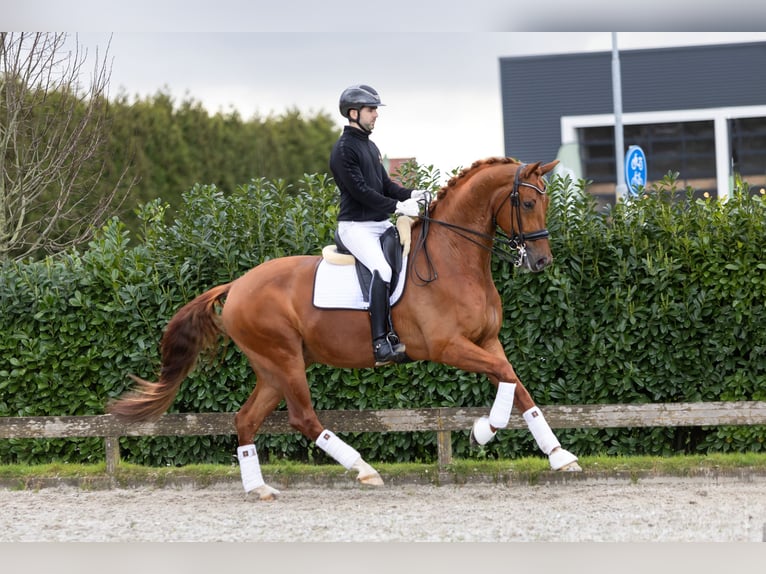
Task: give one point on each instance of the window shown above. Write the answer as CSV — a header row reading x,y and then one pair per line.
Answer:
x,y
687,148
705,146
748,150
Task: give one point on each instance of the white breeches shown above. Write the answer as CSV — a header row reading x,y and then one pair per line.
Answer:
x,y
362,239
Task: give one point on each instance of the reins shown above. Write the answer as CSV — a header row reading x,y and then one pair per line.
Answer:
x,y
516,243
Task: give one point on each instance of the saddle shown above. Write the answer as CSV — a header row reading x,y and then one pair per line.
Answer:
x,y
395,243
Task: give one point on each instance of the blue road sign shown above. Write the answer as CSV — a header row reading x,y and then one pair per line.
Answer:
x,y
635,169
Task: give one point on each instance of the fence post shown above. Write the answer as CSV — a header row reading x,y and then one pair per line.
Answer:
x,y
444,445
443,441
112,448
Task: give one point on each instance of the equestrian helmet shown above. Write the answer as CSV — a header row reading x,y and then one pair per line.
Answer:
x,y
358,96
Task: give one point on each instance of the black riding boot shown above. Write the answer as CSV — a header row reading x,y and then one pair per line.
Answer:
x,y
385,343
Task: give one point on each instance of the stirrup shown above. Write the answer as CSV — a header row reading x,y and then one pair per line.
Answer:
x,y
395,342
386,351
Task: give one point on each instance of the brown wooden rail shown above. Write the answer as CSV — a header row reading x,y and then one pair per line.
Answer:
x,y
440,420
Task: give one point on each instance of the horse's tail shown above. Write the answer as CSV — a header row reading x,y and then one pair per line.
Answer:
x,y
195,327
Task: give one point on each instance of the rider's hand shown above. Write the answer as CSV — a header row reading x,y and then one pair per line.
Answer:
x,y
421,194
409,207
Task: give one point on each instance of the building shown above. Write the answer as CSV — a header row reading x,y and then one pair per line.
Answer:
x,y
392,166
699,111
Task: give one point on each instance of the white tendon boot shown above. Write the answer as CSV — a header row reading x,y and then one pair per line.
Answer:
x,y
484,428
559,458
250,469
349,457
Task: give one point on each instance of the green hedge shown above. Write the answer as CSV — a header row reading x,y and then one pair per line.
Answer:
x,y
659,300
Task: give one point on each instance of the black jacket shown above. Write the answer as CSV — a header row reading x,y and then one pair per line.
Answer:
x,y
366,191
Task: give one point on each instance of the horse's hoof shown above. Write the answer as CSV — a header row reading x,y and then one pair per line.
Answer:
x,y
481,432
371,479
264,492
366,474
563,460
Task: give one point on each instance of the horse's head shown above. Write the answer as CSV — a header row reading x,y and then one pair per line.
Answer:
x,y
522,216
515,195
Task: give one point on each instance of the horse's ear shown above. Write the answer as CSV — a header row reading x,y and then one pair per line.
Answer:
x,y
548,166
528,170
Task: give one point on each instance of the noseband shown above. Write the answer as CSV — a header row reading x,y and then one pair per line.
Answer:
x,y
518,241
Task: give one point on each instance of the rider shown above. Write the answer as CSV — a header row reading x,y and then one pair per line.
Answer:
x,y
368,197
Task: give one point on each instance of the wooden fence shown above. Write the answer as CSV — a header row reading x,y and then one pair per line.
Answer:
x,y
442,421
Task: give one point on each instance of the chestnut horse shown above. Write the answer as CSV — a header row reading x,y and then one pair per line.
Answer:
x,y
452,316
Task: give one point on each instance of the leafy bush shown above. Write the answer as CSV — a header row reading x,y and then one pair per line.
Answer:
x,y
659,300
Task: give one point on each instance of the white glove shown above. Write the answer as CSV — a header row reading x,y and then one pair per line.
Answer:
x,y
421,194
409,207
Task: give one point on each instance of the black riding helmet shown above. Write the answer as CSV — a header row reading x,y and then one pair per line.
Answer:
x,y
358,96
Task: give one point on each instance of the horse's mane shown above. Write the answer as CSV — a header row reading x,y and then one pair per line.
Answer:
x,y
468,171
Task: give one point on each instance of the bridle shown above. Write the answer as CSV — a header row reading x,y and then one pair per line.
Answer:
x,y
518,241
516,244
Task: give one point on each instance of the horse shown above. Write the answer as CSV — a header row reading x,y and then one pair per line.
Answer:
x,y
452,315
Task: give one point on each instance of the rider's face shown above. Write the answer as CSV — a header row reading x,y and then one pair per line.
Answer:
x,y
367,117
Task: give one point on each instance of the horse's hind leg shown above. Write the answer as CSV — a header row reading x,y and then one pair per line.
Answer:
x,y
303,417
349,457
284,375
261,402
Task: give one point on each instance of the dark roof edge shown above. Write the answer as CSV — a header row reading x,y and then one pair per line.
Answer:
x,y
601,53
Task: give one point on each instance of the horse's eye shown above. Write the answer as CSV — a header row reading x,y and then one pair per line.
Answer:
x,y
529,205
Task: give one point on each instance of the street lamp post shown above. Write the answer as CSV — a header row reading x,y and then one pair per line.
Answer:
x,y
619,143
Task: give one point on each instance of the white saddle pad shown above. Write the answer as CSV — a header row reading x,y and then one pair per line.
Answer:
x,y
337,287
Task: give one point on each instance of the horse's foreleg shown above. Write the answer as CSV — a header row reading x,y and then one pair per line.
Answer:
x,y
492,361
559,458
485,428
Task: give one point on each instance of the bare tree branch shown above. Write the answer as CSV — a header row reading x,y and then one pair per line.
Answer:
x,y
53,132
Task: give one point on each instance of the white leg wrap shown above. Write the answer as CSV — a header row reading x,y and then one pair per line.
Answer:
x,y
501,408
482,432
249,467
336,448
539,428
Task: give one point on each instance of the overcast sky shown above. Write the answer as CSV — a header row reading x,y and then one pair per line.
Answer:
x,y
436,68
434,62
441,90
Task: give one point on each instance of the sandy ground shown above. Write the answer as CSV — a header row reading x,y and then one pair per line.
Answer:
x,y
663,509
